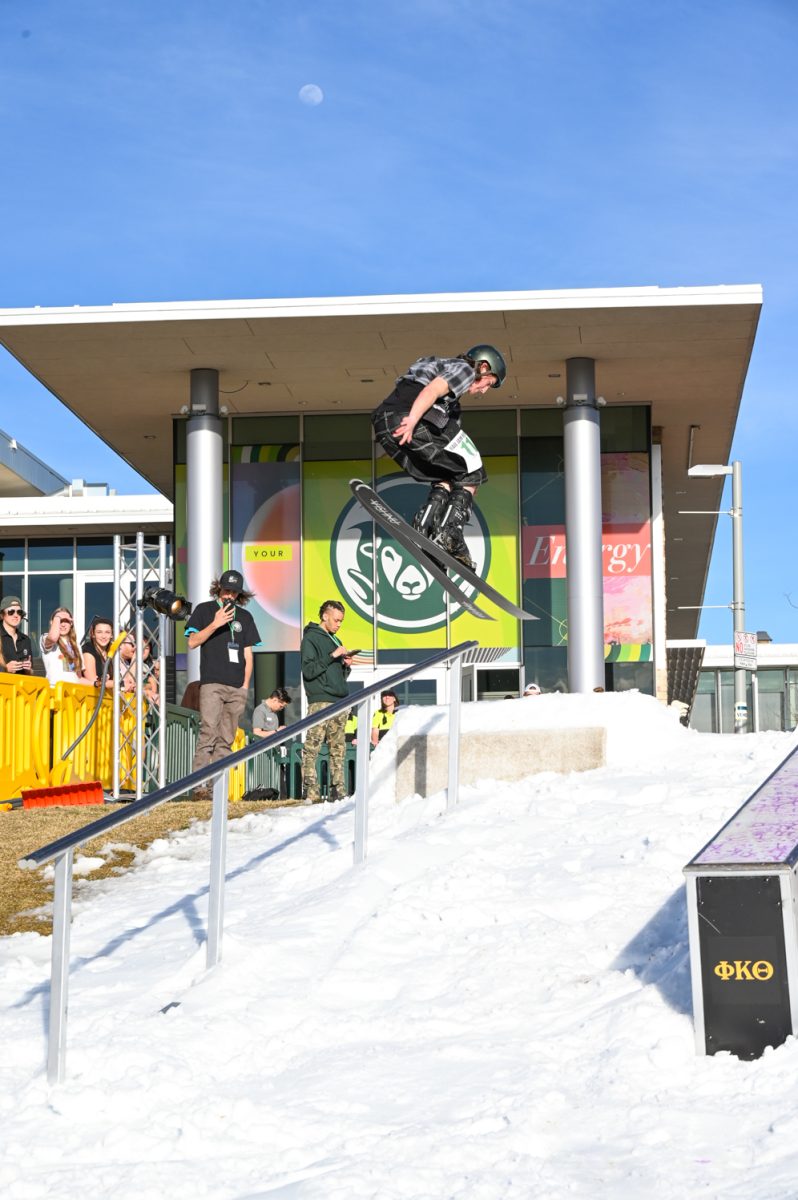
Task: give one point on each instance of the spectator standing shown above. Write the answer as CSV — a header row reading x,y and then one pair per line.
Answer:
x,y
16,649
326,664
225,633
532,689
265,720
382,720
63,661
95,649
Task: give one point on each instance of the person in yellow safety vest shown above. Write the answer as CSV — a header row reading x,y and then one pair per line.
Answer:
x,y
383,717
350,729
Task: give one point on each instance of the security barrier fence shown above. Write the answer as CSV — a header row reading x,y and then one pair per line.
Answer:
x,y
38,723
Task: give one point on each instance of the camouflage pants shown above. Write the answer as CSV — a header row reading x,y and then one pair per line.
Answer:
x,y
331,732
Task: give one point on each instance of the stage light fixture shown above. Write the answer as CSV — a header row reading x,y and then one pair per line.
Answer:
x,y
169,604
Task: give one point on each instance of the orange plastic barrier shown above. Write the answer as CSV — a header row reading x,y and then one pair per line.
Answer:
x,y
64,796
24,734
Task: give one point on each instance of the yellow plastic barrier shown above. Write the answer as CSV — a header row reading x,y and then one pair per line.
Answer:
x,y
238,775
32,746
24,734
73,706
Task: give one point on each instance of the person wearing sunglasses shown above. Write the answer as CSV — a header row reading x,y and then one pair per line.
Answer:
x,y
63,661
16,648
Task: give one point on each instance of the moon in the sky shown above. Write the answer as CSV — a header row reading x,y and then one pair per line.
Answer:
x,y
311,94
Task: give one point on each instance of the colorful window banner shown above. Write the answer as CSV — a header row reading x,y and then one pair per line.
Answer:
x,y
340,544
266,532
337,548
626,558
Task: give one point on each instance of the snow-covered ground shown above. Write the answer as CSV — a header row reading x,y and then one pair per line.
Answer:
x,y
496,1005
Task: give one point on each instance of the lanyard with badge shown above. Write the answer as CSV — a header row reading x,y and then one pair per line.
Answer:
x,y
233,647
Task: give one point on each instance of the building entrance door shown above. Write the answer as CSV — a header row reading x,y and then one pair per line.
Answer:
x,y
94,597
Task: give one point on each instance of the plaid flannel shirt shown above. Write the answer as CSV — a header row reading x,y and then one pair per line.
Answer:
x,y
457,373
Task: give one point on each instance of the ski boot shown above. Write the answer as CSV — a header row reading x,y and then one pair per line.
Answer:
x,y
428,518
450,533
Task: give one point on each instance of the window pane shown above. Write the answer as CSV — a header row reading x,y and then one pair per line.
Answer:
x,y
547,666
624,428
265,431
771,711
491,430
541,422
47,592
11,585
95,554
496,684
702,716
50,554
335,438
624,677
99,601
12,556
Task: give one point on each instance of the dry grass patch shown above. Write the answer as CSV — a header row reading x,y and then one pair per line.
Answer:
x,y
23,893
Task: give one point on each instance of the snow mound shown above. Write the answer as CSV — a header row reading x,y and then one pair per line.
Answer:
x,y
495,1007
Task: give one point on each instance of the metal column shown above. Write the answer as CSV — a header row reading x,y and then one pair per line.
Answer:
x,y
59,970
362,783
738,596
204,455
582,435
218,861
455,705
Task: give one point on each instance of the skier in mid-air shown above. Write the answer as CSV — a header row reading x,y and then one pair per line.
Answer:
x,y
418,425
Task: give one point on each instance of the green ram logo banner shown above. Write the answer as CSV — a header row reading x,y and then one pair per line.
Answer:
x,y
409,600
346,556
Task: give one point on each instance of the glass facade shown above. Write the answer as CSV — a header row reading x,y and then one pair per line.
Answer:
x,y
49,573
299,538
777,700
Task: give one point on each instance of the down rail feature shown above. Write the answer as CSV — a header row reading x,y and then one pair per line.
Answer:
x,y
742,913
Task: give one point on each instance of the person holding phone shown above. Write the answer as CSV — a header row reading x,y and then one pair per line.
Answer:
x,y
226,634
326,664
16,648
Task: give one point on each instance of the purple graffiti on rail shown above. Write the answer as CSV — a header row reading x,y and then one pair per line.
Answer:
x,y
765,829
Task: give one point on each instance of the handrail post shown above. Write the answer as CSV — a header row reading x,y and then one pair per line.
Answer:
x,y
59,969
218,861
362,783
455,704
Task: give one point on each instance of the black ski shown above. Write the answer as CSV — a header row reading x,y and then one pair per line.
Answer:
x,y
433,555
413,541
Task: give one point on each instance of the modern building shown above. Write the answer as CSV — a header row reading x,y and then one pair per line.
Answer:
x,y
772,689
252,416
56,537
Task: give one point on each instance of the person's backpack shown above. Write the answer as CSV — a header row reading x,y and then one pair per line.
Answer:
x,y
261,793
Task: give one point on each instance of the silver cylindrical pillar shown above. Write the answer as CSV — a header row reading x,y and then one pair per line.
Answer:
x,y
738,596
204,457
582,469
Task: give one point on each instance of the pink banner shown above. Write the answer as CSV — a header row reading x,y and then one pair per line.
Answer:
x,y
626,549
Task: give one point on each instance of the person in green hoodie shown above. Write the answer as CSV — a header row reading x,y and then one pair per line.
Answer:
x,y
326,664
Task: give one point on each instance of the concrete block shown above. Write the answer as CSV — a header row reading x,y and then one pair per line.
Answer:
x,y
422,760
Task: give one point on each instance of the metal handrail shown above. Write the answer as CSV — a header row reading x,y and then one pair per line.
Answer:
x,y
62,849
45,854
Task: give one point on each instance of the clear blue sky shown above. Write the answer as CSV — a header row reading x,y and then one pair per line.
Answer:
x,y
158,151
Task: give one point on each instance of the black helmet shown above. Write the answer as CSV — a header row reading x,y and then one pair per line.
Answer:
x,y
493,357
